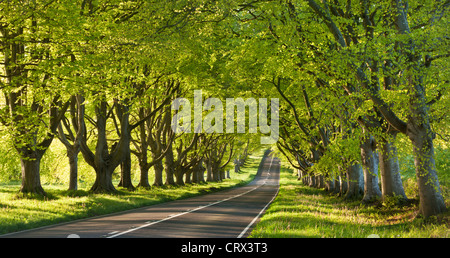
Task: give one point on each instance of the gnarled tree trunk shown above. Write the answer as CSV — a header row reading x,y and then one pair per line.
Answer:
x,y
31,181
103,180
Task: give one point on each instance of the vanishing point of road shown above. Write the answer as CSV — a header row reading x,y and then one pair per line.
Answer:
x,y
226,214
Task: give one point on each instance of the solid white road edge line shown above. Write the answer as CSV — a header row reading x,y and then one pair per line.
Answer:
x,y
196,209
182,213
263,209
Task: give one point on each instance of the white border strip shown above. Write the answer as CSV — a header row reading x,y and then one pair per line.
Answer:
x,y
202,207
263,209
183,213
257,216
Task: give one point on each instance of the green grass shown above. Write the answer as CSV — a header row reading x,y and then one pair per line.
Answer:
x,y
301,211
19,212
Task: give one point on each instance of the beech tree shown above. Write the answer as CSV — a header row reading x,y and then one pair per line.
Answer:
x,y
153,135
214,159
32,59
72,138
352,77
357,47
413,56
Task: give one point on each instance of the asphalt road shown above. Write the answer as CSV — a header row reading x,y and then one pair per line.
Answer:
x,y
226,214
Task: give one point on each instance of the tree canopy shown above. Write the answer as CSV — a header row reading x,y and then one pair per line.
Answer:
x,y
354,79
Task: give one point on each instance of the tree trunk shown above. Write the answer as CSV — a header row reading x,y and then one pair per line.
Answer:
x,y
122,111
158,167
299,174
73,176
179,177
337,185
329,185
103,181
370,168
353,177
312,181
143,179
196,176
215,172
31,181
391,182
200,172
418,127
197,172
319,182
343,184
421,135
431,200
125,171
169,166
209,171
188,176
222,174
103,162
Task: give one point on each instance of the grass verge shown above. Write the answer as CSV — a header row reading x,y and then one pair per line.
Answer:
x,y
19,212
300,211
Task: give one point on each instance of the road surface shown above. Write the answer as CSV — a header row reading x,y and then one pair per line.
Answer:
x,y
226,214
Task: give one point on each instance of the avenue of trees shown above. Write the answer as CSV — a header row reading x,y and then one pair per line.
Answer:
x,y
354,79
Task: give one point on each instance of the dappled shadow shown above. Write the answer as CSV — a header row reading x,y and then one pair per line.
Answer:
x,y
301,211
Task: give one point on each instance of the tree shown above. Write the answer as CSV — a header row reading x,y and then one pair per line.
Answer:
x,y
72,140
105,159
357,47
31,60
214,158
394,23
152,138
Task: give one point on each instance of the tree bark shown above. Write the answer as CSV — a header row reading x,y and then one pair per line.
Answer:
x,y
188,177
343,184
73,163
72,139
179,177
103,161
312,181
199,173
222,175
125,171
353,178
122,110
31,181
103,180
215,172
209,176
370,168
431,200
158,167
391,182
418,127
143,178
169,166
330,184
319,181
337,185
